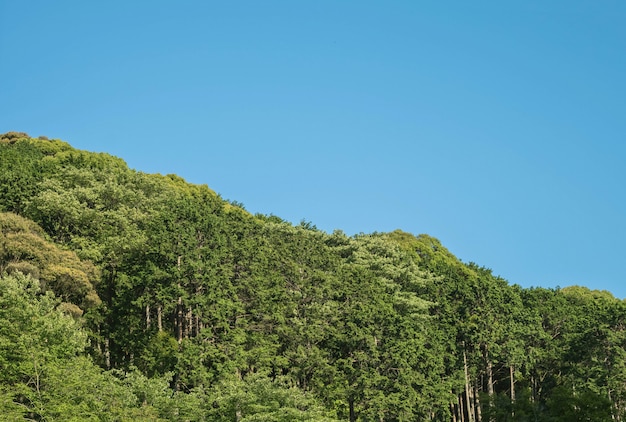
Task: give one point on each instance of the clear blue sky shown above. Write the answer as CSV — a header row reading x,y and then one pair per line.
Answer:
x,y
498,127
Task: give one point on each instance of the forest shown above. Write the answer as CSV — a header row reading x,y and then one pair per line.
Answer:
x,y
127,296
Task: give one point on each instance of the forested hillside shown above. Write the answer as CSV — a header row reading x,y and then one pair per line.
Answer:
x,y
133,296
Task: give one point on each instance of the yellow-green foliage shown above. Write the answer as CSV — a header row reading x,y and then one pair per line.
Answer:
x,y
45,145
24,248
50,147
83,159
425,249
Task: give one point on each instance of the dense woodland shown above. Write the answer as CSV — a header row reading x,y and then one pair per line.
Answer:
x,y
132,296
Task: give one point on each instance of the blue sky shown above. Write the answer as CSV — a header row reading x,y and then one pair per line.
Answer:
x,y
497,127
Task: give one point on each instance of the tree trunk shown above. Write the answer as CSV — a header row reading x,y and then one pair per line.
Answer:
x,y
461,409
490,389
179,319
179,307
453,411
107,353
147,317
188,323
512,376
489,376
98,342
470,411
160,318
477,405
351,406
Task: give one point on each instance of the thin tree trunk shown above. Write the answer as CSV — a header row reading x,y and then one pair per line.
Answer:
x,y
37,383
512,376
490,389
147,316
160,318
179,307
98,342
352,413
512,386
489,376
461,409
470,411
188,323
179,319
453,411
107,353
477,405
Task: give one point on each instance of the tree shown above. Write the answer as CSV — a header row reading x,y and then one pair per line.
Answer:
x,y
258,398
24,248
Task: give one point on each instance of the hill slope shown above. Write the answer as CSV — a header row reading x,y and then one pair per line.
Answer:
x,y
262,319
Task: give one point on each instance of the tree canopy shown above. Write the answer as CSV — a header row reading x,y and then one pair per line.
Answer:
x,y
133,296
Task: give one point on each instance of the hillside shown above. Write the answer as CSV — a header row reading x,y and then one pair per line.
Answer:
x,y
174,304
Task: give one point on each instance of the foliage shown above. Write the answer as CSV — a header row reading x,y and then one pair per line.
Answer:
x,y
130,296
24,248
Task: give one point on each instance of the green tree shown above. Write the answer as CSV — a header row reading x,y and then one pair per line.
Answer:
x,y
24,248
258,398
